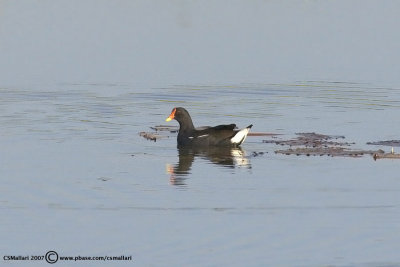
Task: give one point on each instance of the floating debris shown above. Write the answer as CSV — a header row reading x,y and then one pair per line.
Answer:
x,y
175,129
320,136
104,179
256,154
160,132
385,143
262,134
151,136
386,156
329,151
314,144
311,140
165,128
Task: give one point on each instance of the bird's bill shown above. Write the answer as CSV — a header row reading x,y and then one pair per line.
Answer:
x,y
172,116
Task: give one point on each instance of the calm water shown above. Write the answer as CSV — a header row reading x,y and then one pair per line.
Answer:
x,y
77,177
80,79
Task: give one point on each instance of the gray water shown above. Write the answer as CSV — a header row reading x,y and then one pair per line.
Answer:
x,y
78,179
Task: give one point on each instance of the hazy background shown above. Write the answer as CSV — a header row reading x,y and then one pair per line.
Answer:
x,y
198,41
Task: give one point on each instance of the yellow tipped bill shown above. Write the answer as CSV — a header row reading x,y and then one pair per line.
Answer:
x,y
172,116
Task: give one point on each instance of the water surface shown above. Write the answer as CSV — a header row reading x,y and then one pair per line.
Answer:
x,y
77,177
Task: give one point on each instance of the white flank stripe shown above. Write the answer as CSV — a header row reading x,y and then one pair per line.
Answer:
x,y
204,135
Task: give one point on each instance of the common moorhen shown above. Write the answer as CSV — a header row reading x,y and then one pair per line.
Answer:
x,y
221,135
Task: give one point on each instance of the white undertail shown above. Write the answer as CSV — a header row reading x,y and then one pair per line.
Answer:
x,y
241,135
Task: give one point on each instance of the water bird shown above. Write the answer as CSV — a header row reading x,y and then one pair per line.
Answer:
x,y
221,135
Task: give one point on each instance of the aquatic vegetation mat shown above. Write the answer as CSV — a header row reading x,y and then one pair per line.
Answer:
x,y
314,144
328,151
311,140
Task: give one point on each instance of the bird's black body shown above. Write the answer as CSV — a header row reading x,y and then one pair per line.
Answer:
x,y
221,135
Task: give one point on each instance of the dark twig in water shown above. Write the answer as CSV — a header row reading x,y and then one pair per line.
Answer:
x,y
161,131
385,143
165,128
256,154
262,134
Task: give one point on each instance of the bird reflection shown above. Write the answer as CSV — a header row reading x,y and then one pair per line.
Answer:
x,y
222,156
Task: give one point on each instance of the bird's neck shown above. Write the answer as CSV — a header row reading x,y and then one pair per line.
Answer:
x,y
186,126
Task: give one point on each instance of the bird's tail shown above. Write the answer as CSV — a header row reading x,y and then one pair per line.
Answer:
x,y
241,135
